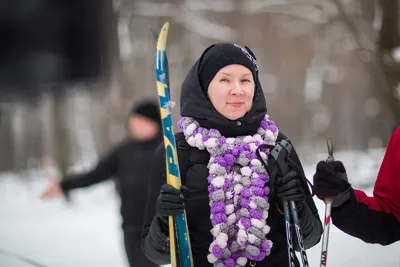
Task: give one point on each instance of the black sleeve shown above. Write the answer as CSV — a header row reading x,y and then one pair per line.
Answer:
x,y
155,242
105,168
371,226
310,221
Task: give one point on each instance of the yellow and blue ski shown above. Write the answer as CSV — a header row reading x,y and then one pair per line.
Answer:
x,y
181,254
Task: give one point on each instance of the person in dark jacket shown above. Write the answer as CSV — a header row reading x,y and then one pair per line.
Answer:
x,y
224,121
373,219
129,164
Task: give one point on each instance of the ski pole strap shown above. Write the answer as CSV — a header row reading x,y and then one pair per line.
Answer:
x,y
329,144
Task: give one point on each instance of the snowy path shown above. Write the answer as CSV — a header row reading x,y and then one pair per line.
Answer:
x,y
87,233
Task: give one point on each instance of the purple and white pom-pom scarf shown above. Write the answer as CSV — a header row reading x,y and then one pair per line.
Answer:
x,y
238,191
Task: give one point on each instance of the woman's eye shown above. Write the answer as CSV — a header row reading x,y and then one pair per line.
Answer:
x,y
224,80
245,81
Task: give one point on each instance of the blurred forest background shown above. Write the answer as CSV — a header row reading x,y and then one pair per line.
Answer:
x,y
328,68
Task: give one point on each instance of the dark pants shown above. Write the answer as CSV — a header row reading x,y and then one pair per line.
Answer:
x,y
136,258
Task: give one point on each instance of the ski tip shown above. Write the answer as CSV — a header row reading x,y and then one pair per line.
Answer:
x,y
162,37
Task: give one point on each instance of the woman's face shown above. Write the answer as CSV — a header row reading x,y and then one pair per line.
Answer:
x,y
231,91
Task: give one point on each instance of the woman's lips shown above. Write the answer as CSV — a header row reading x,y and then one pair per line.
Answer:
x,y
236,104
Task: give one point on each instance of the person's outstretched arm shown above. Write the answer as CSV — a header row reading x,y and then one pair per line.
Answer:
x,y
105,168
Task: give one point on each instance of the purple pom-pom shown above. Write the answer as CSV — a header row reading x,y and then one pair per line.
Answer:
x,y
222,140
262,176
266,191
260,256
205,138
264,124
244,202
258,191
256,214
235,151
237,255
217,251
257,182
218,218
266,246
229,262
245,192
229,159
245,222
246,147
220,160
250,257
218,207
227,184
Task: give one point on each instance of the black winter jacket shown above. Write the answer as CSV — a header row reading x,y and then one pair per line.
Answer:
x,y
129,164
194,103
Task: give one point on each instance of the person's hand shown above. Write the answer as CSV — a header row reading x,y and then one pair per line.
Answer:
x,y
170,201
290,188
53,189
330,179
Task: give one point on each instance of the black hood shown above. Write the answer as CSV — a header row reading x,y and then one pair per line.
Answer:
x,y
194,103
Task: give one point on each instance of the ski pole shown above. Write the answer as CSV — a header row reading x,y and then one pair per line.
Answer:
x,y
299,234
289,239
328,205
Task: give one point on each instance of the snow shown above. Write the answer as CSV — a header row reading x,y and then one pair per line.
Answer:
x,y
87,231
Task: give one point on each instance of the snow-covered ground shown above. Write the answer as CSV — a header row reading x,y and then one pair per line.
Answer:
x,y
87,232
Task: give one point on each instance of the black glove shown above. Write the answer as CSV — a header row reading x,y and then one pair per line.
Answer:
x,y
330,180
170,201
290,188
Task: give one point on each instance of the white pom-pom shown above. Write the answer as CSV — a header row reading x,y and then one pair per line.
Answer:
x,y
229,195
246,171
231,219
252,205
276,134
253,147
191,141
254,175
248,139
211,143
252,238
211,258
221,242
199,141
242,236
257,223
256,162
190,129
241,225
218,181
213,168
258,137
265,214
230,140
237,178
224,237
238,188
229,209
242,261
266,229
269,135
216,230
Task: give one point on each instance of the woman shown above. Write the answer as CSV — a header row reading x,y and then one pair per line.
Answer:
x,y
373,219
224,121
